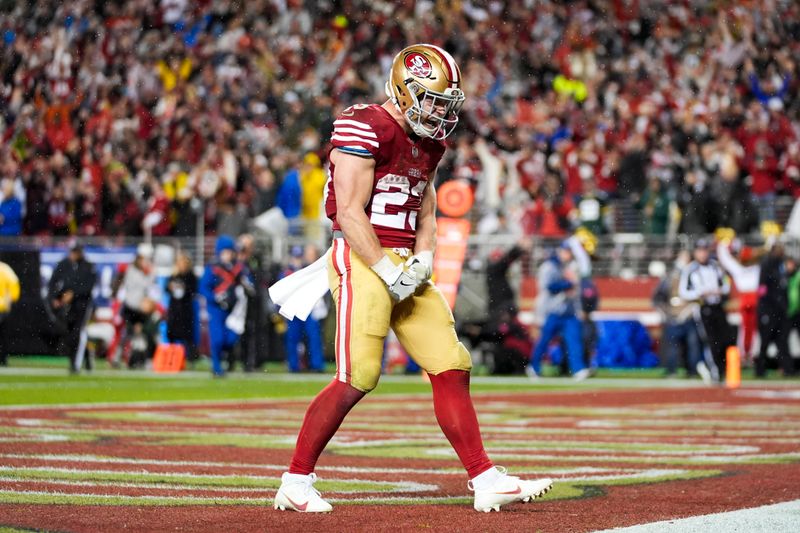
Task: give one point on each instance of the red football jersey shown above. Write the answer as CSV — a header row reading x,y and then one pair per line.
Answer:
x,y
402,167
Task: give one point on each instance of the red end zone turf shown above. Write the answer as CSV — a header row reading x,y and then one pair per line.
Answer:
x,y
618,458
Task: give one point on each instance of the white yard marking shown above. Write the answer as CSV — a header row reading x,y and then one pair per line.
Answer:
x,y
379,486
777,518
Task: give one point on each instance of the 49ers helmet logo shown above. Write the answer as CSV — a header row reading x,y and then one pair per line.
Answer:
x,y
418,65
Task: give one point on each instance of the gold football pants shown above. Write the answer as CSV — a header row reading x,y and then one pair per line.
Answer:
x,y
365,311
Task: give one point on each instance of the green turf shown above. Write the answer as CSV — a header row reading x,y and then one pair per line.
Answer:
x,y
44,386
44,380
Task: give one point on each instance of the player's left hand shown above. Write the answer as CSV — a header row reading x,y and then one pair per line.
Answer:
x,y
420,265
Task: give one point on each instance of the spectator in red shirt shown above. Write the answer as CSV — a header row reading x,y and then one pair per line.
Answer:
x,y
551,212
59,214
157,220
789,167
762,166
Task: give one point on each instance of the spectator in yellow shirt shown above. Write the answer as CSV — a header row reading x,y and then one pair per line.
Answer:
x,y
9,294
312,185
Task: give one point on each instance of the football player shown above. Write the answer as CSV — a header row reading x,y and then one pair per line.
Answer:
x,y
381,199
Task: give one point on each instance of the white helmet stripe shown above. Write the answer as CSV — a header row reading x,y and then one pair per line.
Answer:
x,y
451,63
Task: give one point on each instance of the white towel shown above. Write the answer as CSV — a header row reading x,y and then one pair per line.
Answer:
x,y
297,293
236,319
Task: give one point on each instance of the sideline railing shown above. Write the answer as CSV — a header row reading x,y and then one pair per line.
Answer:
x,y
625,255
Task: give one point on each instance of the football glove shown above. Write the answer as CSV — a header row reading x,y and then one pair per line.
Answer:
x,y
421,265
400,282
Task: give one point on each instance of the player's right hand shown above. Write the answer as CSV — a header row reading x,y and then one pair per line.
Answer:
x,y
405,286
399,282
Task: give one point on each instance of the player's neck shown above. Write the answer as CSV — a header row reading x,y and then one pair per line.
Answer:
x,y
397,115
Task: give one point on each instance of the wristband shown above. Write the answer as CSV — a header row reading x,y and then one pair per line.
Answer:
x,y
386,270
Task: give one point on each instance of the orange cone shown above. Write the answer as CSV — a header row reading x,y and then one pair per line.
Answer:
x,y
169,358
733,368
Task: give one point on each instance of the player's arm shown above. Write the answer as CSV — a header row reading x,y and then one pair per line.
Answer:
x,y
687,288
353,182
421,263
426,221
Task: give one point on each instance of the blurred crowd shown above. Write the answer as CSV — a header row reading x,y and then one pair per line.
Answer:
x,y
153,117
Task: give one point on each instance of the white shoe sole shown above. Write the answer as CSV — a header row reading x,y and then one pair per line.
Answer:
x,y
282,503
526,499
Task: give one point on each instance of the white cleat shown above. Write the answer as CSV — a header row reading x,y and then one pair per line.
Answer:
x,y
704,372
531,373
297,493
508,489
582,375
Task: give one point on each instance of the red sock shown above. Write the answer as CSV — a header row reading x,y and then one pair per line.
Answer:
x,y
323,418
456,415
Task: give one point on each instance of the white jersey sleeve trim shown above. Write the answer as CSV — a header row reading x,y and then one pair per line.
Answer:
x,y
355,123
353,138
355,131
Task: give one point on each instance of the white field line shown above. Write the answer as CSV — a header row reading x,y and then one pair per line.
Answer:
x,y
199,499
742,451
732,450
398,499
282,468
488,430
35,437
644,474
342,442
770,394
254,501
399,486
395,486
73,483
691,459
203,488
570,445
776,518
717,423
221,403
287,434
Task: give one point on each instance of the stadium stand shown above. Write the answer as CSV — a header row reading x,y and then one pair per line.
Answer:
x,y
116,115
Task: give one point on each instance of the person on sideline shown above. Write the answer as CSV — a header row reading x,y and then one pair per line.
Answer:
x,y
69,295
703,281
678,324
773,311
182,291
139,293
9,295
745,273
297,329
558,280
224,285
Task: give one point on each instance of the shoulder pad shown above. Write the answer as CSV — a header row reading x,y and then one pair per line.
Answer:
x,y
359,130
